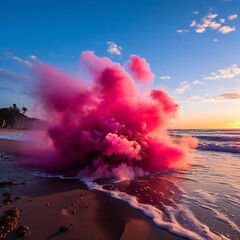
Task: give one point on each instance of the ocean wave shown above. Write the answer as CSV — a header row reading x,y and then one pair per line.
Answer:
x,y
219,148
220,138
192,229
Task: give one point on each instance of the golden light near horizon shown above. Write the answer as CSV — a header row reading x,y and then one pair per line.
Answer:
x,y
235,124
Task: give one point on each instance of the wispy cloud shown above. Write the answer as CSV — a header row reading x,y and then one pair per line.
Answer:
x,y
230,72
182,31
114,49
230,89
215,40
222,20
231,17
165,77
229,96
18,59
182,88
224,97
196,12
8,77
194,97
226,29
8,89
196,82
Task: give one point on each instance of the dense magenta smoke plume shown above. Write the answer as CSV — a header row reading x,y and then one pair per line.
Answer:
x,y
108,128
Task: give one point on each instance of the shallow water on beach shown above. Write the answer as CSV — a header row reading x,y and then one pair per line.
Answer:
x,y
201,202
23,135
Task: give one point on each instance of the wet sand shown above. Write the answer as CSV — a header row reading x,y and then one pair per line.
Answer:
x,y
48,204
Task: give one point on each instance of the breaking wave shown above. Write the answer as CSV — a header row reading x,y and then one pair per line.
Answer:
x,y
219,138
219,148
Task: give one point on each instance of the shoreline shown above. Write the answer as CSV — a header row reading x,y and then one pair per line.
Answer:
x,y
51,203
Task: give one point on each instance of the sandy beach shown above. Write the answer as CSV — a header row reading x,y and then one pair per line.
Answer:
x,y
48,204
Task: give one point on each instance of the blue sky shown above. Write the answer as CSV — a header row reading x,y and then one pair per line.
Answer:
x,y
192,47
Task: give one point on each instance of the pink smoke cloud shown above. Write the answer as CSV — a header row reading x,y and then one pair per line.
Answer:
x,y
107,128
140,69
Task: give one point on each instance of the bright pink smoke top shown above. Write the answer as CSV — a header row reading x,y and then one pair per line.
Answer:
x,y
107,128
140,69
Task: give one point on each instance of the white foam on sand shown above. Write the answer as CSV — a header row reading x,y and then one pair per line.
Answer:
x,y
206,196
177,219
170,220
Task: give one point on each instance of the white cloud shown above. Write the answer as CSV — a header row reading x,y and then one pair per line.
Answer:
x,y
33,57
230,72
25,62
196,12
212,16
114,49
226,29
193,23
182,88
165,77
195,82
231,17
206,22
200,30
182,31
215,40
214,25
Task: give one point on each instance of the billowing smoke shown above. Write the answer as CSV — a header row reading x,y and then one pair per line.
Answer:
x,y
108,127
140,69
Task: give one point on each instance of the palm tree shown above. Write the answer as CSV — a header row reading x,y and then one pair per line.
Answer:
x,y
15,108
24,109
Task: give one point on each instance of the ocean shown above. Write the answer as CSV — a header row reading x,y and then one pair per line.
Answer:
x,y
200,202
